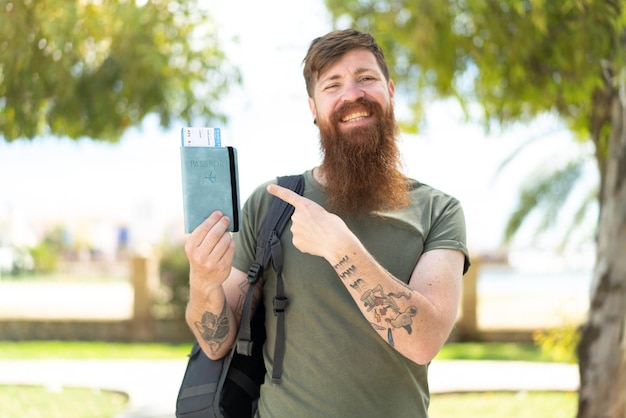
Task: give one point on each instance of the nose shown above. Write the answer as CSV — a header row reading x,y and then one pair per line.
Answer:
x,y
352,92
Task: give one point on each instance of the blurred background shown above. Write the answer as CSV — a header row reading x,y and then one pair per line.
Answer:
x,y
91,227
80,207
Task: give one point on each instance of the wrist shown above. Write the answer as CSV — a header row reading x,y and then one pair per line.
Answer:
x,y
347,250
208,296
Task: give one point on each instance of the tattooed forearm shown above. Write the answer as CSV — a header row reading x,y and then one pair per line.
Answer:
x,y
358,285
399,295
341,262
387,313
347,272
380,305
214,329
344,269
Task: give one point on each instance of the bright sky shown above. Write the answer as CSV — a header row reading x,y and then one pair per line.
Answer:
x,y
137,182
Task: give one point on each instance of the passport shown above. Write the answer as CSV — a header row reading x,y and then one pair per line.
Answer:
x,y
210,179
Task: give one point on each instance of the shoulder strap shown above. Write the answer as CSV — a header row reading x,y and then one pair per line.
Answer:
x,y
276,218
269,249
280,300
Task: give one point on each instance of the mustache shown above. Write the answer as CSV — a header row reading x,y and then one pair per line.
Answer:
x,y
361,103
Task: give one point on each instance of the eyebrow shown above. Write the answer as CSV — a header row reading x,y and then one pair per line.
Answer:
x,y
357,72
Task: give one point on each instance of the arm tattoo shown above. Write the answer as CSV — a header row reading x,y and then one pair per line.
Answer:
x,y
214,329
358,284
343,269
256,296
384,308
343,260
386,311
241,299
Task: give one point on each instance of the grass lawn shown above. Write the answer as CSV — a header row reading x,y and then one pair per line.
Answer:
x,y
107,350
35,402
44,402
493,351
64,402
91,350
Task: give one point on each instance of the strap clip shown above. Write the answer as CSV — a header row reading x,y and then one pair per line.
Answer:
x,y
244,347
254,272
280,304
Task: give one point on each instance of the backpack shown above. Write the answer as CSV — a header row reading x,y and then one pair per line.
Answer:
x,y
229,387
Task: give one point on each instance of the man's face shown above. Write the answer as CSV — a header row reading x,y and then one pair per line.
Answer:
x,y
337,90
354,109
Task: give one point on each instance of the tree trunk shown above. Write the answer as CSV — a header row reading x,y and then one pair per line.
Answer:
x,y
602,350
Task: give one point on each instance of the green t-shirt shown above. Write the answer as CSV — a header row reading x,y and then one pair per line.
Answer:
x,y
335,364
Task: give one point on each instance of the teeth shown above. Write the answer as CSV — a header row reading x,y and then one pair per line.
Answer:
x,y
355,116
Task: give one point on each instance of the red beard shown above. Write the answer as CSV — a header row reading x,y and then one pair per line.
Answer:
x,y
361,166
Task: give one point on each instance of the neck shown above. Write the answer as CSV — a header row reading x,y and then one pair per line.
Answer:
x,y
318,174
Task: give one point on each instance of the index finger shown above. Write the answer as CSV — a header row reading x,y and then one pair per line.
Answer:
x,y
285,194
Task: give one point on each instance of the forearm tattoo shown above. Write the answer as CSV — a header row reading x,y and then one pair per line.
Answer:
x,y
383,306
214,329
344,269
243,291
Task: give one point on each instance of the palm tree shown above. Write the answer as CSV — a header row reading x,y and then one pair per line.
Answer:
x,y
549,190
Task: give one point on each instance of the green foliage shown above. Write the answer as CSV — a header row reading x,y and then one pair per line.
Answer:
x,y
48,253
31,350
174,274
517,59
93,69
493,351
560,342
45,258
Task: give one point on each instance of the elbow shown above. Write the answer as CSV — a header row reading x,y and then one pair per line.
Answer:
x,y
215,356
430,346
426,355
434,337
422,352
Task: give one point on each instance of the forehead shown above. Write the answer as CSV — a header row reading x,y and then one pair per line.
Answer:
x,y
352,62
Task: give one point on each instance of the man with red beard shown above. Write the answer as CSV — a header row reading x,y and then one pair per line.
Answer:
x,y
373,260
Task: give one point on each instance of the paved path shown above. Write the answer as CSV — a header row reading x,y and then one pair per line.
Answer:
x,y
152,385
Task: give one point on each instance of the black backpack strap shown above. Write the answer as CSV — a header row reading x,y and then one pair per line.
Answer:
x,y
280,304
277,218
269,249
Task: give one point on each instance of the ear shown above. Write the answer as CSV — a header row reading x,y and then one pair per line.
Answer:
x,y
313,108
392,89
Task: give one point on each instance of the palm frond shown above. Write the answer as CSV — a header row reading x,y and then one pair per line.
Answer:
x,y
546,195
524,145
588,203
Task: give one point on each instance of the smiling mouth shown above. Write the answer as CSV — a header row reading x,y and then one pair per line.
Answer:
x,y
353,117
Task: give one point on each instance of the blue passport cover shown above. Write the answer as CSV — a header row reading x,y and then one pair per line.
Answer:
x,y
210,182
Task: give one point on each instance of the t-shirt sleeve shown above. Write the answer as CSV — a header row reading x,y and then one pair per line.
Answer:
x,y
448,229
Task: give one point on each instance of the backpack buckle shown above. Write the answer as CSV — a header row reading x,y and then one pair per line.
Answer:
x,y
244,347
280,304
254,272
